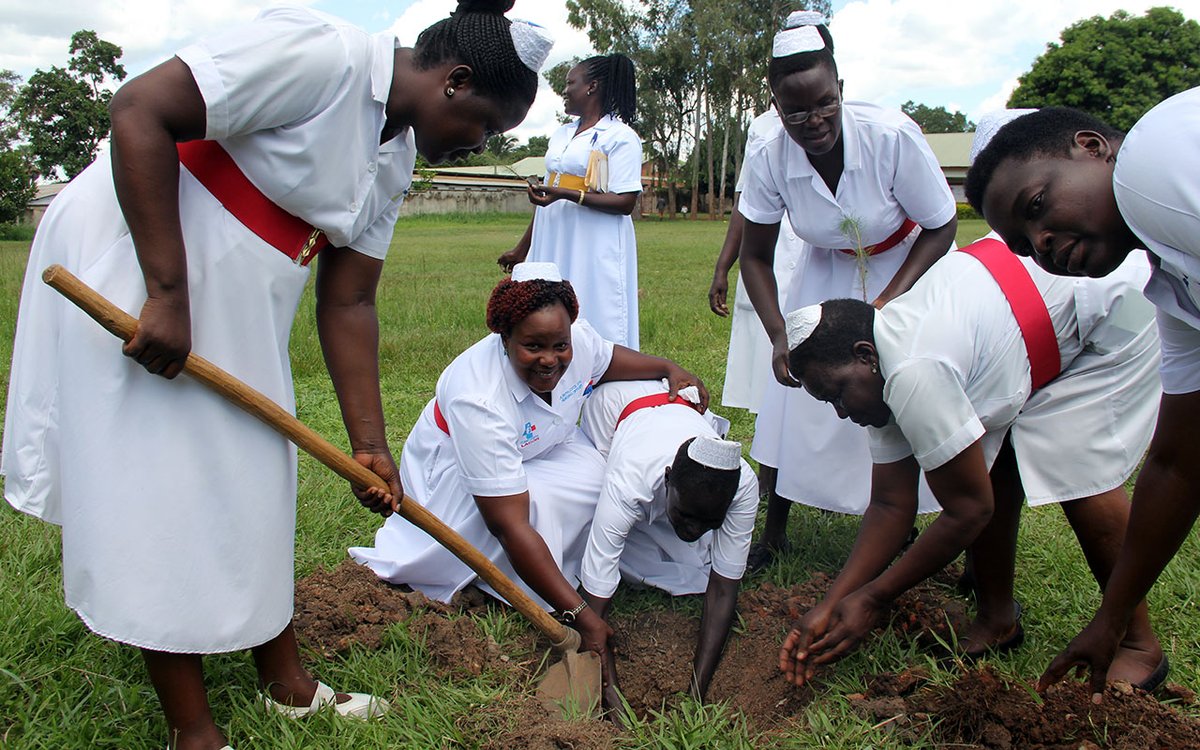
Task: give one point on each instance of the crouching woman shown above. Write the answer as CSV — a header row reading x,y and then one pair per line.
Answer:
x,y
498,455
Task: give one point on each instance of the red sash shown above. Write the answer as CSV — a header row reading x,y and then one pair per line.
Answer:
x,y
216,170
1028,307
647,402
440,420
895,238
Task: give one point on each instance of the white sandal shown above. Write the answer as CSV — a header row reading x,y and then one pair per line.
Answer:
x,y
360,705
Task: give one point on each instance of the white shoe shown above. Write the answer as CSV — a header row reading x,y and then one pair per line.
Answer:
x,y
360,705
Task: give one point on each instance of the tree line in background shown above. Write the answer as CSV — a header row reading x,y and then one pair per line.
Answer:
x,y
702,76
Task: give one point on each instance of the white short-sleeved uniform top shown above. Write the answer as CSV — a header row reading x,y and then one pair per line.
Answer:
x,y
890,175
569,153
1158,193
635,492
955,364
496,422
277,90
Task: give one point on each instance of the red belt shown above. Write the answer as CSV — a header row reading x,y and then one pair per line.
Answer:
x,y
1028,307
216,170
894,239
647,402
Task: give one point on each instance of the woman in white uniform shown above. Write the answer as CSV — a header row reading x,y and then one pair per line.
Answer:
x,y
498,455
983,376
1080,197
593,180
748,364
862,188
178,510
676,511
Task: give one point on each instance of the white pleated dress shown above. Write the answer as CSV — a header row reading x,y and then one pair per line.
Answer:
x,y
502,440
595,251
631,537
956,370
890,175
177,509
748,365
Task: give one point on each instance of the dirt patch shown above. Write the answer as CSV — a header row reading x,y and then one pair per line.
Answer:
x,y
349,607
985,711
655,649
526,725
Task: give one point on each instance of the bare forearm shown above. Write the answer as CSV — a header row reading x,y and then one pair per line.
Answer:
x,y
720,604
935,548
531,559
349,335
733,243
930,245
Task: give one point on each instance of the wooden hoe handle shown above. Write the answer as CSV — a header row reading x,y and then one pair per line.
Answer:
x,y
123,326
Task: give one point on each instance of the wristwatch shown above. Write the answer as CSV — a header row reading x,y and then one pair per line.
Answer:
x,y
567,616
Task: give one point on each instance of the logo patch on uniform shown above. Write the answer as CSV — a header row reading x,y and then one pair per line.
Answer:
x,y
529,435
591,386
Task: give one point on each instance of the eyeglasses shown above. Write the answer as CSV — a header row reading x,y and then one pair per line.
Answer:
x,y
801,117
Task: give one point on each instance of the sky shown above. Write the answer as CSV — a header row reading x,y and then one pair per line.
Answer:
x,y
964,56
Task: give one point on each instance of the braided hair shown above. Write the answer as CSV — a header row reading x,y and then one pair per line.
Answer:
x,y
617,79
477,35
514,301
844,322
1048,132
782,67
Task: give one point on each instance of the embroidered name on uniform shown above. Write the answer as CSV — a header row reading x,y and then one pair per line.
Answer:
x,y
572,391
529,435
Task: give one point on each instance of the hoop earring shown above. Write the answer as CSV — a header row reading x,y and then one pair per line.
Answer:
x,y
449,91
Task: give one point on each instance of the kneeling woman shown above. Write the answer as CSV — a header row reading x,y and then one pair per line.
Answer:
x,y
985,376
497,454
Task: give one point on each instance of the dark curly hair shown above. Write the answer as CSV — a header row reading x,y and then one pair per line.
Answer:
x,y
514,301
1045,133
716,487
782,67
844,322
477,35
617,79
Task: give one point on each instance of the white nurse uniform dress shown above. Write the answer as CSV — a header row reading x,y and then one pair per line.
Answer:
x,y
631,536
595,251
500,439
890,176
178,510
748,365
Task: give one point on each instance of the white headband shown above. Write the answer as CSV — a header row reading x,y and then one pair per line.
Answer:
x,y
794,41
990,123
798,18
715,453
532,43
801,324
529,271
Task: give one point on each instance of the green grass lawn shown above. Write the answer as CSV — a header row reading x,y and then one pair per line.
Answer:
x,y
61,687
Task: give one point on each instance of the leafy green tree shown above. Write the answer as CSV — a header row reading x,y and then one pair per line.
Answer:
x,y
1115,68
937,119
18,180
63,112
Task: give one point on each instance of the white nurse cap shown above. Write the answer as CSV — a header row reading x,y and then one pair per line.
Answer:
x,y
799,34
530,271
715,453
990,123
532,43
800,324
